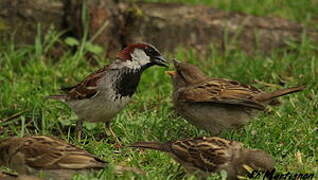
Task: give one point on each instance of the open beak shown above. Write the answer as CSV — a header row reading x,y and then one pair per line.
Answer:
x,y
161,61
171,73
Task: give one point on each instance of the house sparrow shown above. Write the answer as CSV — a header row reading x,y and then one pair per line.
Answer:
x,y
205,155
102,94
55,158
216,104
9,176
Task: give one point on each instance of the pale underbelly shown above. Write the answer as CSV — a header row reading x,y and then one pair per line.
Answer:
x,y
216,117
98,109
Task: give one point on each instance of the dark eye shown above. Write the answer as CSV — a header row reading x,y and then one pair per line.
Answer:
x,y
151,52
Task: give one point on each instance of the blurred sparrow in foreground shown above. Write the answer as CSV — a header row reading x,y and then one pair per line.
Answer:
x,y
206,155
9,176
216,104
55,158
102,94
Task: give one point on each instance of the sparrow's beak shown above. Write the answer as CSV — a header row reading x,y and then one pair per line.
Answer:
x,y
160,61
171,73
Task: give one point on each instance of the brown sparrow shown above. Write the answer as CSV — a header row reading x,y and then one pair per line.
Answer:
x,y
55,158
205,155
102,94
216,104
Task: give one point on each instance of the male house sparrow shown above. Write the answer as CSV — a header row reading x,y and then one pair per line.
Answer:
x,y
102,94
205,155
55,158
216,104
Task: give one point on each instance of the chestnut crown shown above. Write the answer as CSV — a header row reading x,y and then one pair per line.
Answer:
x,y
141,55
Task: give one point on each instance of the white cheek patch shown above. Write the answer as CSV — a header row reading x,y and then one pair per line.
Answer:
x,y
138,58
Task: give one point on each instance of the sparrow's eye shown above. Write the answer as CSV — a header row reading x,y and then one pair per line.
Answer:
x,y
151,52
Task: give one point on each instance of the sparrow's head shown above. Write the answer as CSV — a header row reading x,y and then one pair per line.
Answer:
x,y
141,55
257,160
185,74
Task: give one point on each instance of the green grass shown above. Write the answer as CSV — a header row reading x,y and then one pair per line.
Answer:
x,y
27,75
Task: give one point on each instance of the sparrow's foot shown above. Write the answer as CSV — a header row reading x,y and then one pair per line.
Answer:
x,y
78,129
108,130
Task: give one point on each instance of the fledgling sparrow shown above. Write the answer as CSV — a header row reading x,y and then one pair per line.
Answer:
x,y
9,176
102,94
205,155
216,104
53,157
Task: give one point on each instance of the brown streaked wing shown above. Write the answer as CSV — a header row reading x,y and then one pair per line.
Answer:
x,y
204,153
50,153
214,152
184,150
86,88
223,92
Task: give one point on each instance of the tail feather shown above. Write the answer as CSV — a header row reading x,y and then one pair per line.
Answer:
x,y
280,92
151,145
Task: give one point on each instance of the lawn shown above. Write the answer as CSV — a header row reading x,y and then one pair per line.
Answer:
x,y
288,132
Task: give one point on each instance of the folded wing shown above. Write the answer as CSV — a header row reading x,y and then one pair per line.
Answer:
x,y
223,92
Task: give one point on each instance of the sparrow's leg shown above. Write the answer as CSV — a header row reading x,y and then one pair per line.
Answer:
x,y
78,129
111,132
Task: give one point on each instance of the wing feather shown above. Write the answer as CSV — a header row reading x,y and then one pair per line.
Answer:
x,y
207,154
49,153
221,91
86,88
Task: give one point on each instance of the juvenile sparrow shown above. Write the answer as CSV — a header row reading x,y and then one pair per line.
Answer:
x,y
55,158
205,155
102,94
216,104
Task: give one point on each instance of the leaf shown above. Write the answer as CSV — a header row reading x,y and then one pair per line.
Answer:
x,y
71,41
95,49
90,126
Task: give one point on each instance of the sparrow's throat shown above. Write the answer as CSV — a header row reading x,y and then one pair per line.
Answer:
x,y
127,82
